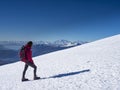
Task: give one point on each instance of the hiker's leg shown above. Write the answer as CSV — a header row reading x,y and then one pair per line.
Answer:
x,y
24,71
33,66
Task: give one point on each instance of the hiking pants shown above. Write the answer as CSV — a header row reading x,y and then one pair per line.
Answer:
x,y
31,65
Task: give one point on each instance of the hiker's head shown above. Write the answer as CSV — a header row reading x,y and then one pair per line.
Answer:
x,y
30,43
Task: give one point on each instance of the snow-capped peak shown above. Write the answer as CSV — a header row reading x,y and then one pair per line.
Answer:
x,y
66,43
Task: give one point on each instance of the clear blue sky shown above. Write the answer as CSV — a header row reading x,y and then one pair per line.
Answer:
x,y
50,20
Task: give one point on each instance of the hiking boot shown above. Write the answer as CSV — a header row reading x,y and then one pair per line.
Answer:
x,y
25,79
35,78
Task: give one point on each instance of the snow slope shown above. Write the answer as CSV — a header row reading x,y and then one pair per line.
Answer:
x,y
92,66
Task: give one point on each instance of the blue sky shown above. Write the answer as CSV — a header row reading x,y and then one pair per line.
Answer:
x,y
51,20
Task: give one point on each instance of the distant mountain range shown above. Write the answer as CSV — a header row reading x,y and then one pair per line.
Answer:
x,y
61,43
9,49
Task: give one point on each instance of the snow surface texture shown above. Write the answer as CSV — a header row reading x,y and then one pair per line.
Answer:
x,y
92,66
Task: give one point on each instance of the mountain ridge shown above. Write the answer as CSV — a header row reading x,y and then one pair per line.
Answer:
x,y
92,66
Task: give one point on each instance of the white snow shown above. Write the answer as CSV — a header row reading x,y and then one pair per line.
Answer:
x,y
92,66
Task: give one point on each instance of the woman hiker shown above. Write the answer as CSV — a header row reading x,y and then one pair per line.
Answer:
x,y
26,57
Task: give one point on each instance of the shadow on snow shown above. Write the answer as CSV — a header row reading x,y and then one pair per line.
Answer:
x,y
68,74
